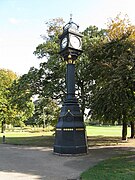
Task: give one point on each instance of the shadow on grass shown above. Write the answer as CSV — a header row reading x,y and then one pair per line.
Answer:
x,y
103,141
43,141
48,141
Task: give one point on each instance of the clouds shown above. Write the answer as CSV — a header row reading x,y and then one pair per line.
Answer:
x,y
13,20
17,21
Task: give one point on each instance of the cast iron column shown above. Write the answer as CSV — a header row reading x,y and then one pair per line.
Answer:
x,y
70,80
70,137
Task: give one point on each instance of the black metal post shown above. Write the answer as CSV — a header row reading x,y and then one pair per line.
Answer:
x,y
70,81
3,139
2,131
70,137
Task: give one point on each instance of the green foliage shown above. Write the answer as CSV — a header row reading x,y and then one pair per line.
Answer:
x,y
105,72
51,74
21,100
113,96
46,112
7,113
92,38
52,71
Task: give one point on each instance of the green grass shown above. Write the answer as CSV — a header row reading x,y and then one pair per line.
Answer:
x,y
105,135
97,136
117,168
45,139
105,131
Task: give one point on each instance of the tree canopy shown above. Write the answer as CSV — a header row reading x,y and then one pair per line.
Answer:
x,y
114,93
105,72
6,79
52,72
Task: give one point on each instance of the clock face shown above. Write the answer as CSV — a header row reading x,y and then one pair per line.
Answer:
x,y
75,42
64,43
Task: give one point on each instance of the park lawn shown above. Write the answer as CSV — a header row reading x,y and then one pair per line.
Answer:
x,y
96,135
121,167
44,139
105,135
105,131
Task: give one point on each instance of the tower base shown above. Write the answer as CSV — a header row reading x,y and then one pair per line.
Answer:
x,y
70,137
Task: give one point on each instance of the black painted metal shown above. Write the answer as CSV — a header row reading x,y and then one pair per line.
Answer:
x,y
70,137
70,81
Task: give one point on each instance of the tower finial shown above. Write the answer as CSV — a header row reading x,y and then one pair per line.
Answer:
x,y
71,15
71,25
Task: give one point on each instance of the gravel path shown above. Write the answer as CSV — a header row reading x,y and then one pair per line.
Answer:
x,y
39,163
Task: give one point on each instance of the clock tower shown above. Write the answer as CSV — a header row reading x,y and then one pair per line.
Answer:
x,y
70,41
70,135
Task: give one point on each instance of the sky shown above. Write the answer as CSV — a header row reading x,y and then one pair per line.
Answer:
x,y
22,22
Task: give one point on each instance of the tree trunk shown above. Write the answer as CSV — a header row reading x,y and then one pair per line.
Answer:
x,y
132,129
119,121
83,100
2,126
124,130
43,125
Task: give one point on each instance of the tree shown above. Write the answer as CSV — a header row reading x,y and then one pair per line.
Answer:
x,y
114,96
52,72
21,100
49,80
132,124
46,112
85,80
6,112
